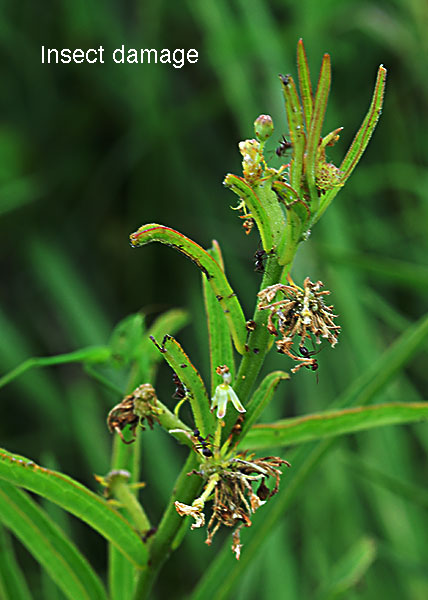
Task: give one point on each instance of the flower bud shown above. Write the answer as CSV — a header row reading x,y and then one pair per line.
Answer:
x,y
263,127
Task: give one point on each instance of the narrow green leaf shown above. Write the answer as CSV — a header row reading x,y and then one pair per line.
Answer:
x,y
168,322
362,138
125,341
349,570
12,581
304,83
220,343
259,400
49,545
76,499
81,314
296,129
360,141
403,489
389,364
401,272
91,355
240,187
326,424
178,360
314,133
211,269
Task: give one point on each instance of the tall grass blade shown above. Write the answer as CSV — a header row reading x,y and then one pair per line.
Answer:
x,y
76,499
329,424
48,544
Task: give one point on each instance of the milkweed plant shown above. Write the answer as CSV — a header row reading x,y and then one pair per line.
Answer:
x,y
227,482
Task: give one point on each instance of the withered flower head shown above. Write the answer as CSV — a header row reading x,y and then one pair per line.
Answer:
x,y
296,311
132,411
230,487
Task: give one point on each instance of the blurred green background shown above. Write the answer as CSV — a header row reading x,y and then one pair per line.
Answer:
x,y
90,152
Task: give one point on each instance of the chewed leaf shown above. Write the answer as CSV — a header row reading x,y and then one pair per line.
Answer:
x,y
206,263
296,128
178,360
77,500
317,120
320,425
360,140
304,83
221,349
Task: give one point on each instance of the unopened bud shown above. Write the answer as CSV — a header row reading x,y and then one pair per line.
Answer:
x,y
263,127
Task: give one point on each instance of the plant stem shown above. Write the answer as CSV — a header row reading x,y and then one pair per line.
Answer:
x,y
259,339
185,489
121,490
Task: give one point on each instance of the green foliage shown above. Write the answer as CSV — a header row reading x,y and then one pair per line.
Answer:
x,y
76,499
326,424
373,240
49,546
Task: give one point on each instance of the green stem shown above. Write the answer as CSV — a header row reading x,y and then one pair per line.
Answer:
x,y
209,488
259,340
186,489
121,490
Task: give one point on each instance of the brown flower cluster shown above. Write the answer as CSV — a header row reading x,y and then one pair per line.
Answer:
x,y
299,312
230,486
133,410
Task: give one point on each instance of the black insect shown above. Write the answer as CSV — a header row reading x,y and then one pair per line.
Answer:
x,y
313,366
260,257
180,389
203,444
284,145
259,261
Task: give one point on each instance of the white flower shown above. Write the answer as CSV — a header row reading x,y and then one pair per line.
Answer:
x,y
222,395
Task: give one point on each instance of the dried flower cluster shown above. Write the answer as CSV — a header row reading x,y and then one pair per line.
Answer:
x,y
133,410
230,486
299,312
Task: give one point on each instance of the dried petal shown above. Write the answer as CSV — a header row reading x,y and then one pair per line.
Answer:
x,y
236,542
185,510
